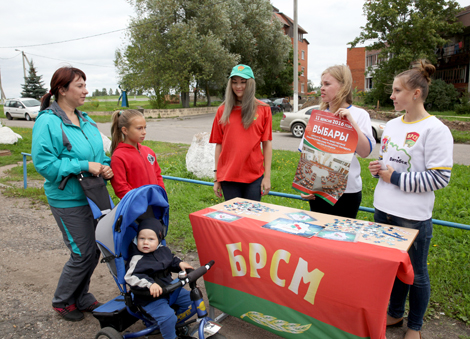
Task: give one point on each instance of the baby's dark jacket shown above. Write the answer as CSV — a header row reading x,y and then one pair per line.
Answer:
x,y
144,269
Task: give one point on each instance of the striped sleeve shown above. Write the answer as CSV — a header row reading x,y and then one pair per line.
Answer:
x,y
420,182
135,279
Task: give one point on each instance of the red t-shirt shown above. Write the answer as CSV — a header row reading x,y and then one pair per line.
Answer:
x,y
134,168
241,159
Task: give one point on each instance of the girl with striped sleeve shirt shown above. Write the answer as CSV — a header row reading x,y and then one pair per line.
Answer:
x,y
415,160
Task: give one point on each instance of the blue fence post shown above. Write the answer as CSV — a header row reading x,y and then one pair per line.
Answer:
x,y
25,172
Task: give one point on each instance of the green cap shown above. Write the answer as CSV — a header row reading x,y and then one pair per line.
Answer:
x,y
242,71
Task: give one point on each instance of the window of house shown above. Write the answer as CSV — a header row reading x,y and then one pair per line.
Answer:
x,y
303,72
301,37
303,55
302,89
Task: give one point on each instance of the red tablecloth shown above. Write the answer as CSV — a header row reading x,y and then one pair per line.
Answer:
x,y
298,287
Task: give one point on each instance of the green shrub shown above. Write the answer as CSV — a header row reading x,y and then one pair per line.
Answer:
x,y
442,96
94,102
464,106
158,101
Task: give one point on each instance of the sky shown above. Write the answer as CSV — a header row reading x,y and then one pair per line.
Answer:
x,y
330,25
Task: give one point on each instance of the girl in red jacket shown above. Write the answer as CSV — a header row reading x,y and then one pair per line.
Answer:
x,y
133,164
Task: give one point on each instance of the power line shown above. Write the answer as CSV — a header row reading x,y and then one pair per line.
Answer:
x,y
75,62
99,34
11,57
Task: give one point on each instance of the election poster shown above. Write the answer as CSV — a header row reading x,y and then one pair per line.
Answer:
x,y
327,149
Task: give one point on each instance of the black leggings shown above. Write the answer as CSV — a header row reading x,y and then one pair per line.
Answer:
x,y
347,206
250,191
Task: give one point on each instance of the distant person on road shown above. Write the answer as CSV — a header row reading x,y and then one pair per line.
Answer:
x,y
241,123
134,164
415,160
67,141
336,94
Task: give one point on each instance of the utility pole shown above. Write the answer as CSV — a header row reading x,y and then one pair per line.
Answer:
x,y
24,57
296,59
2,98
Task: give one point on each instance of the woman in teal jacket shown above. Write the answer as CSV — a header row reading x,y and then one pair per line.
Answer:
x,y
67,141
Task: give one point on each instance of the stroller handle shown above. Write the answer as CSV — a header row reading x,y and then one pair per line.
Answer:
x,y
193,275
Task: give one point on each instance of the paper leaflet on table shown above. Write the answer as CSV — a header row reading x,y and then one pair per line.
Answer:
x,y
337,235
327,151
219,215
293,227
301,216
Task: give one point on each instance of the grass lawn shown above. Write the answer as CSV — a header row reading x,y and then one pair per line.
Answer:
x,y
449,258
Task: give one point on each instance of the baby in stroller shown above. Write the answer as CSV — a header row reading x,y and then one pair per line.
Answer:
x,y
149,269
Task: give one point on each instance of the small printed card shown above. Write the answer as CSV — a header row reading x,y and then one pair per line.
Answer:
x,y
337,235
301,216
219,215
210,328
293,227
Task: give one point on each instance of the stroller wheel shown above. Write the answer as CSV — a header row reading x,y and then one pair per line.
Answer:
x,y
108,333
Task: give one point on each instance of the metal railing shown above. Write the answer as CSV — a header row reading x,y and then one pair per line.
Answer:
x,y
277,194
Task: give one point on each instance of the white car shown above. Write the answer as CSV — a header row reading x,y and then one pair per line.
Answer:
x,y
25,108
377,128
296,122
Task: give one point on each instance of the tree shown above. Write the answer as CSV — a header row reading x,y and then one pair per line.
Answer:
x,y
33,86
279,85
404,31
117,92
104,92
110,92
176,44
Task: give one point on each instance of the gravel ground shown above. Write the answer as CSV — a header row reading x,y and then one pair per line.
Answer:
x,y
32,256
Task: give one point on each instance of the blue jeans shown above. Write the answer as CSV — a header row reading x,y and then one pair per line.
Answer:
x,y
420,291
165,316
242,190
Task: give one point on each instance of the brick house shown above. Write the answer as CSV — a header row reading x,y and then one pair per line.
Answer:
x,y
288,28
453,60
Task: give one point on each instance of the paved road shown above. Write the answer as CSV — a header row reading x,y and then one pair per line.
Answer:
x,y
182,130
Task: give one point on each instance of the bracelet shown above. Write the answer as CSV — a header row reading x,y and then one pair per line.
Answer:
x,y
215,170
215,180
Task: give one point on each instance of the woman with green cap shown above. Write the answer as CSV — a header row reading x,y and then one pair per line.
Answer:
x,y
241,124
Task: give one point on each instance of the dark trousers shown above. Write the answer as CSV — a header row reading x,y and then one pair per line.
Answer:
x,y
347,205
78,230
250,191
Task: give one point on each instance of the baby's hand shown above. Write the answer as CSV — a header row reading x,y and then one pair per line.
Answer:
x,y
185,265
155,290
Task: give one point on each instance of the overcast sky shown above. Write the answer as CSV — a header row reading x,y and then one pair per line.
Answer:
x,y
330,25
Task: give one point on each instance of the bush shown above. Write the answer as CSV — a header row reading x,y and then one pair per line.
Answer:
x,y
464,106
94,102
158,101
442,96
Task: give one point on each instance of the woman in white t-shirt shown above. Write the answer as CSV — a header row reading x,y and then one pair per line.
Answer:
x,y
336,94
415,160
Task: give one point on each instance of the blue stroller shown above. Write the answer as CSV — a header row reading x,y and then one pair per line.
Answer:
x,y
115,231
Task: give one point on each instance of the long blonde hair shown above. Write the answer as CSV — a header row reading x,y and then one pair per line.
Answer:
x,y
119,120
249,103
343,75
419,76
